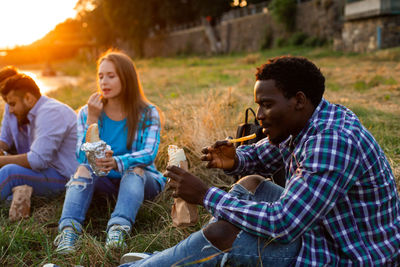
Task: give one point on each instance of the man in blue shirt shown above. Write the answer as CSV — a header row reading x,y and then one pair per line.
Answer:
x,y
339,207
43,133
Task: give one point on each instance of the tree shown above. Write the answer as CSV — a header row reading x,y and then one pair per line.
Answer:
x,y
91,15
133,20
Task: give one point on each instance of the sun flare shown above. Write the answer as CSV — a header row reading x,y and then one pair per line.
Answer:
x,y
40,84
25,21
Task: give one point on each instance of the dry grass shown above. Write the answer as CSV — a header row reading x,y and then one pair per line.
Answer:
x,y
203,100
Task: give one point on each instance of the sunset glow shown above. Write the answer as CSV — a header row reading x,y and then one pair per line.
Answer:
x,y
25,21
40,84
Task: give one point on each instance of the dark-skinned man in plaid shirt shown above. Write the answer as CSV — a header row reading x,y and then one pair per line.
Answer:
x,y
340,206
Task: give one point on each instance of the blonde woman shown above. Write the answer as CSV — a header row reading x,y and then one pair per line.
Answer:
x,y
130,124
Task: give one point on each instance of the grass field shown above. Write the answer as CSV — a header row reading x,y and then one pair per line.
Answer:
x,y
203,99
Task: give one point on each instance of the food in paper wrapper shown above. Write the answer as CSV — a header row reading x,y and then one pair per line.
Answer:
x,y
182,213
95,148
176,155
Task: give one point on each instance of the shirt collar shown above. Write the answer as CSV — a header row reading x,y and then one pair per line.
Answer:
x,y
33,112
290,143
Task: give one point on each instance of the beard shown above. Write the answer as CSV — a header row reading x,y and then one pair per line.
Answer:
x,y
22,121
23,117
276,140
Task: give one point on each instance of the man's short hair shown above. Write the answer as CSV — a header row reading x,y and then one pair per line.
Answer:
x,y
292,74
21,84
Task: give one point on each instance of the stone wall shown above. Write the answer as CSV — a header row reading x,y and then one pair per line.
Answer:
x,y
320,18
190,41
241,34
248,33
362,35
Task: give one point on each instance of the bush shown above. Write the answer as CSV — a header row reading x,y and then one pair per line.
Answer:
x,y
284,12
268,37
280,42
297,39
313,41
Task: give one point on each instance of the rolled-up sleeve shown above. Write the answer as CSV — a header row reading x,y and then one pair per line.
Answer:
x,y
149,135
48,134
5,135
81,131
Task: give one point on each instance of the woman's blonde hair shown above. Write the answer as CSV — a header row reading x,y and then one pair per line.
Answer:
x,y
132,96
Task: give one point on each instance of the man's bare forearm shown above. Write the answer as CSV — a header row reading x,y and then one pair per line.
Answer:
x,y
21,160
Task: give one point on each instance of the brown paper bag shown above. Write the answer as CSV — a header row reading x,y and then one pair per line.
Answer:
x,y
21,203
184,214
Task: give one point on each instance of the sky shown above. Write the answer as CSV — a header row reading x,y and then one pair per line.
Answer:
x,y
25,21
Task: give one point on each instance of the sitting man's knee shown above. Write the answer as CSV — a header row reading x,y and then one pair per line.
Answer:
x,y
221,234
11,168
251,182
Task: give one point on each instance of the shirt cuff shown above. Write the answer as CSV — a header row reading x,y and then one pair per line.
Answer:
x,y
120,165
212,199
239,168
35,161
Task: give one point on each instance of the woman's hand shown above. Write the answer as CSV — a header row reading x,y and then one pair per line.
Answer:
x,y
95,106
107,163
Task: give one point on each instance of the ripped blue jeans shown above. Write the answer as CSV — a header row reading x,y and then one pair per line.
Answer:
x,y
135,186
247,249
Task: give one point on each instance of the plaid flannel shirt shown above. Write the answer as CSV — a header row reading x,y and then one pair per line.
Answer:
x,y
340,195
144,146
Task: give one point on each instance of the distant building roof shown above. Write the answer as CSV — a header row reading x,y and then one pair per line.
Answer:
x,y
358,9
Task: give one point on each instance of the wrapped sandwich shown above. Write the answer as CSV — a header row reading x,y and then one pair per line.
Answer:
x,y
95,148
183,214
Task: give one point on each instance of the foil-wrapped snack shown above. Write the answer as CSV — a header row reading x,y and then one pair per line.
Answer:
x,y
95,148
95,151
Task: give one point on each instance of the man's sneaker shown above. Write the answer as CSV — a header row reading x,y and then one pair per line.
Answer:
x,y
116,236
133,256
66,241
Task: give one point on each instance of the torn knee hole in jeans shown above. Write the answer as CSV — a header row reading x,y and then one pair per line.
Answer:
x,y
74,183
137,170
83,172
79,181
225,254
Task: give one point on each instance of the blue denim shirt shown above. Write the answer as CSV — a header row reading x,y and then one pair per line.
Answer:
x,y
49,139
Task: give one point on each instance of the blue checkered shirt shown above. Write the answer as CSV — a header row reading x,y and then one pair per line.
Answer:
x,y
144,146
340,196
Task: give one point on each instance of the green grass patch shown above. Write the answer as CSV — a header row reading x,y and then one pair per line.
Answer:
x,y
385,127
360,86
380,80
332,86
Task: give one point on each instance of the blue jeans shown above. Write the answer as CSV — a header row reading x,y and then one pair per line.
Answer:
x,y
47,182
130,190
247,249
